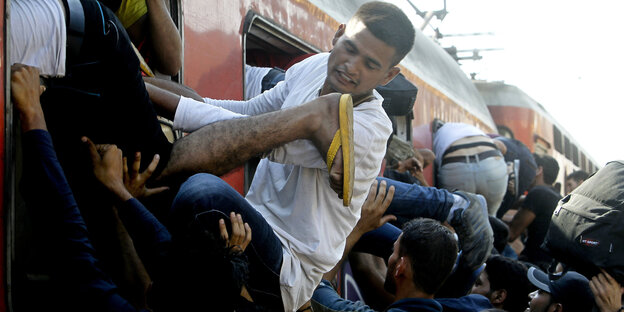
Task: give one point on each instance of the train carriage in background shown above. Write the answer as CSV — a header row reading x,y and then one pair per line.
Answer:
x,y
519,116
219,38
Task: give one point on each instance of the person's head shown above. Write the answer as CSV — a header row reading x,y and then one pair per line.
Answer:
x,y
422,258
547,168
368,48
504,282
568,292
574,179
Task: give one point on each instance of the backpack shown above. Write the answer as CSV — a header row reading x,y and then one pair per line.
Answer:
x,y
587,227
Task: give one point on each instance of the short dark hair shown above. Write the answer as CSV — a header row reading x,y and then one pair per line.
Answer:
x,y
389,24
511,275
578,176
550,167
431,249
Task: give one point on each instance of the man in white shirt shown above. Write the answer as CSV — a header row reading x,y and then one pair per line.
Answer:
x,y
299,223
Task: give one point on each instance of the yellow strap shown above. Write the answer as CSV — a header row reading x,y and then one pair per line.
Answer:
x,y
333,149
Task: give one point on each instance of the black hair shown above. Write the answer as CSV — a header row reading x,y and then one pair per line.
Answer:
x,y
389,24
501,233
578,176
550,167
511,275
431,249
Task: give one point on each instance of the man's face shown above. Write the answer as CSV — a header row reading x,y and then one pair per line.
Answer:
x,y
390,284
359,61
540,302
570,185
482,285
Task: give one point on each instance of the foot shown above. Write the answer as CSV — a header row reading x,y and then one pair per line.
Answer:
x,y
323,136
473,229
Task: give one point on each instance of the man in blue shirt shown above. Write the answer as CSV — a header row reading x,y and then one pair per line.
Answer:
x,y
422,259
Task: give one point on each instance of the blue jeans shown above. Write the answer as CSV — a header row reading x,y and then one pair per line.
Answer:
x,y
208,197
487,177
414,201
410,201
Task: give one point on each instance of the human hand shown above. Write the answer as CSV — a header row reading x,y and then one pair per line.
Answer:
x,y
241,233
25,92
108,167
413,165
374,207
134,180
607,292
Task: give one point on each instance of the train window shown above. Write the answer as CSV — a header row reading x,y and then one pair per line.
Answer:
x,y
575,156
266,44
583,162
557,139
568,148
504,131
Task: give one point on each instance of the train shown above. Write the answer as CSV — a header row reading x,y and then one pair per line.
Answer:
x,y
220,37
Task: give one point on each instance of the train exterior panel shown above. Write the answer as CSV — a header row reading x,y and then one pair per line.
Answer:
x,y
218,38
519,116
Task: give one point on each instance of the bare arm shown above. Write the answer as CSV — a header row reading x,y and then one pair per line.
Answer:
x,y
372,217
164,37
174,87
520,222
165,102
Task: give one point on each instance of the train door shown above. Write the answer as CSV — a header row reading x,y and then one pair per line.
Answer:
x,y
265,44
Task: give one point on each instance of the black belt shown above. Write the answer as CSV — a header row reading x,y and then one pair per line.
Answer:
x,y
471,158
75,26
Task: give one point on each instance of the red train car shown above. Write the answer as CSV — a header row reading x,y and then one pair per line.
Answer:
x,y
219,38
519,116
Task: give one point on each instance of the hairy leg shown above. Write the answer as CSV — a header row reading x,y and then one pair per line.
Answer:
x,y
222,146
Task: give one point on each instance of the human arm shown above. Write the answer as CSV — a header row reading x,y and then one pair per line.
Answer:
x,y
50,197
523,218
325,296
372,217
164,37
149,235
607,292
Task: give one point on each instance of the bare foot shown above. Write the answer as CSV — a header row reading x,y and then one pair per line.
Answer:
x,y
324,135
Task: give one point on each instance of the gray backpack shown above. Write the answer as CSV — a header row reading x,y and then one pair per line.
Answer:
x,y
587,228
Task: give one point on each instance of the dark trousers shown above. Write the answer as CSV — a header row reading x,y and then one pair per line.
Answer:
x,y
208,197
102,96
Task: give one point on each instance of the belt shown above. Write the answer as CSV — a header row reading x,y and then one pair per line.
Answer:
x,y
471,158
75,26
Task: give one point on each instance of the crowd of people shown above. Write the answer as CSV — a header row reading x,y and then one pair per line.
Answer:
x,y
137,223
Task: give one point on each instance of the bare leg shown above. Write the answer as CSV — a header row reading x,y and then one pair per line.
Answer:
x,y
222,146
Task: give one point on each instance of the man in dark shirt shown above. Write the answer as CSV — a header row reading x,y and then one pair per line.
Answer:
x,y
536,212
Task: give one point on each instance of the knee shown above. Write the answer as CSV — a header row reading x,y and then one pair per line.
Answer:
x,y
203,185
203,190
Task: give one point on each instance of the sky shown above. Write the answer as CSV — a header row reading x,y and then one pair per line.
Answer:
x,y
567,55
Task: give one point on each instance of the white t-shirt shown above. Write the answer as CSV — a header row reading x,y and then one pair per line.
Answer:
x,y
449,133
37,35
291,186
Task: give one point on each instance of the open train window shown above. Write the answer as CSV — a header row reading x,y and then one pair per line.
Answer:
x,y
567,148
265,44
505,131
557,139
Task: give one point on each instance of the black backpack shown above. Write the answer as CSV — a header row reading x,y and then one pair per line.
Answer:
x,y
587,228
